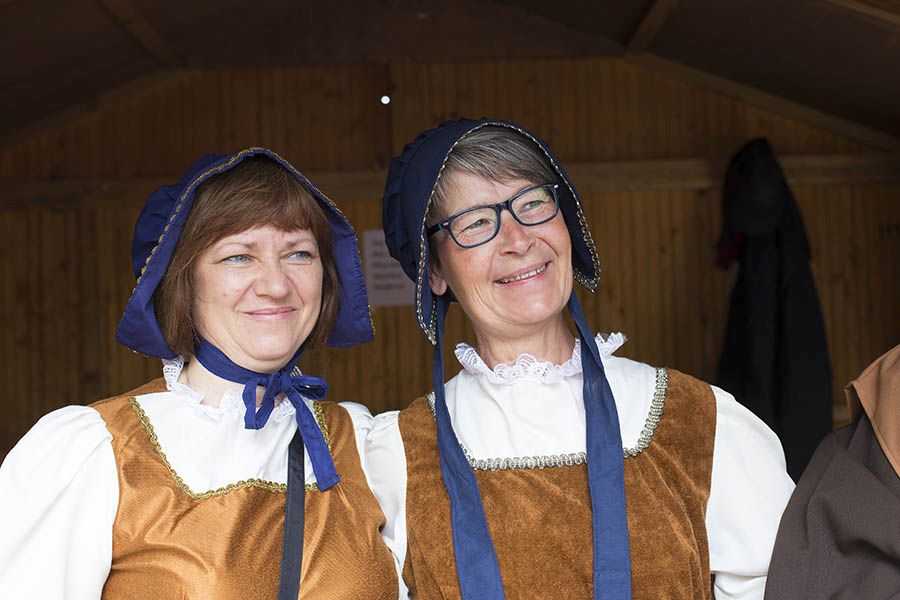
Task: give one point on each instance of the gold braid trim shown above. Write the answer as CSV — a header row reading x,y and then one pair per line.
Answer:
x,y
318,411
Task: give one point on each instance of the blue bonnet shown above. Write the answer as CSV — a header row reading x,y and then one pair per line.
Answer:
x,y
411,181
159,228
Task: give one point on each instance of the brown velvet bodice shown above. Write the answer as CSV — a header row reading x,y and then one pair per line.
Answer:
x,y
226,544
540,519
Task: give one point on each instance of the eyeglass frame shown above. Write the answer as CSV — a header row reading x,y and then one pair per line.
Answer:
x,y
498,209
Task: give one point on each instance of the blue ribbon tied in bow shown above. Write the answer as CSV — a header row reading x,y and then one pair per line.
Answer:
x,y
294,386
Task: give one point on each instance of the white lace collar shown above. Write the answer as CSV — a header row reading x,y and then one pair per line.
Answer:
x,y
529,368
231,402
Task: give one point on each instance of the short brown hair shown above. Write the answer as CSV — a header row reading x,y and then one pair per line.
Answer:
x,y
257,192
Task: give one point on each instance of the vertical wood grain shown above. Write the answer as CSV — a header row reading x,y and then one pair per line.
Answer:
x,y
65,273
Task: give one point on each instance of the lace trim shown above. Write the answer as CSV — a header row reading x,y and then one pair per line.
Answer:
x,y
654,416
529,368
318,410
230,401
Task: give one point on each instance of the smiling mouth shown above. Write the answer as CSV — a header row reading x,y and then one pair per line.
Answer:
x,y
271,312
526,275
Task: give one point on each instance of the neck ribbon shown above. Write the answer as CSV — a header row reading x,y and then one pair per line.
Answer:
x,y
294,386
477,566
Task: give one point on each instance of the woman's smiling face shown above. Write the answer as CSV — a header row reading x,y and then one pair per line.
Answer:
x,y
514,284
258,294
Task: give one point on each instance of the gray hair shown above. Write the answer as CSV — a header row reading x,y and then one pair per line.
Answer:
x,y
494,153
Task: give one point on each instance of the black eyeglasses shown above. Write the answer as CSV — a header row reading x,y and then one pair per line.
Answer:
x,y
480,224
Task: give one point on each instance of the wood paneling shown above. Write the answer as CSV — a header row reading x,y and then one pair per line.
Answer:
x,y
66,272
322,118
597,110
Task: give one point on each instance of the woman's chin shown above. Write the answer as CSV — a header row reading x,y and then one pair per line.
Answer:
x,y
535,311
267,358
532,319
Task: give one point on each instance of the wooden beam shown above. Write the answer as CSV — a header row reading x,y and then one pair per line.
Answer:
x,y
651,24
366,186
700,174
137,86
129,18
751,95
872,13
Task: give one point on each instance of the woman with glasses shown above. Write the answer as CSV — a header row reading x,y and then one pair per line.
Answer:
x,y
549,467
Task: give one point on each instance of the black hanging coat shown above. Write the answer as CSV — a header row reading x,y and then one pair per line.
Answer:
x,y
775,359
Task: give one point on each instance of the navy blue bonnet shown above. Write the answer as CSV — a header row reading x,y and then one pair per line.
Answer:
x,y
410,185
159,228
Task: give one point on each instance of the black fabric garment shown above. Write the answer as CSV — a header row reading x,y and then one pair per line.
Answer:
x,y
840,535
775,357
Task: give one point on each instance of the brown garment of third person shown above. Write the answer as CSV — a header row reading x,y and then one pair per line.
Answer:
x,y
840,535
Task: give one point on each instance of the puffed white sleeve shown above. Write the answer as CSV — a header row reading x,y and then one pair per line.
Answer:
x,y
386,469
362,424
749,491
59,493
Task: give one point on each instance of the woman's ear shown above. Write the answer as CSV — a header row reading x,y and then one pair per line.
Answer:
x,y
435,279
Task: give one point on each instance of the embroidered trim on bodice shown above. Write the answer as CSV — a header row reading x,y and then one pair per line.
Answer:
x,y
654,415
528,368
318,411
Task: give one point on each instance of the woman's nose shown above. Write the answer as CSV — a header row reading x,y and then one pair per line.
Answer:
x,y
513,236
271,280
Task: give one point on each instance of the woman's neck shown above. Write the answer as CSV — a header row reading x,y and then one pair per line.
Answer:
x,y
552,343
211,386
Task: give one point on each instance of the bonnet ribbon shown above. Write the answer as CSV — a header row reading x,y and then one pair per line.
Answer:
x,y
477,568
606,470
284,382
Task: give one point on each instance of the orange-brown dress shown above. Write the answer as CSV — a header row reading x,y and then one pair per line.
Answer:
x,y
226,544
540,519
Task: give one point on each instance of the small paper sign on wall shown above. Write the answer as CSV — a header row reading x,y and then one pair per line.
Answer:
x,y
387,283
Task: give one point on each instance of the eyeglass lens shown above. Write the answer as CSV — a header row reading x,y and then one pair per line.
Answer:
x,y
477,226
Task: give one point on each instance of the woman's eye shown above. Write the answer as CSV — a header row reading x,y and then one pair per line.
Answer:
x,y
237,259
476,225
302,256
534,204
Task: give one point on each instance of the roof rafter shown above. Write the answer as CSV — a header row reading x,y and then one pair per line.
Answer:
x,y
606,176
777,104
651,24
874,13
127,16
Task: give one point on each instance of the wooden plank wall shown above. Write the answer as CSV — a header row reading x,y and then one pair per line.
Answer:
x,y
66,274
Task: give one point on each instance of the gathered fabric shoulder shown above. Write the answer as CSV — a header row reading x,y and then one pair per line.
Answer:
x,y
61,443
59,495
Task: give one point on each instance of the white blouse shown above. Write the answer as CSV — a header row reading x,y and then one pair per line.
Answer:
x,y
535,408
59,486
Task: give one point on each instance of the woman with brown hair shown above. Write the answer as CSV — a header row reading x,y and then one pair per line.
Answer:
x,y
229,477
